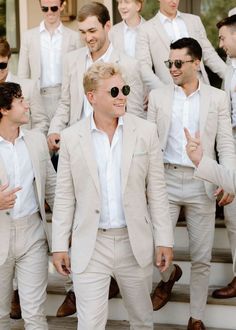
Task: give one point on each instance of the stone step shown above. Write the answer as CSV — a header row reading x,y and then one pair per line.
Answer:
x,y
71,323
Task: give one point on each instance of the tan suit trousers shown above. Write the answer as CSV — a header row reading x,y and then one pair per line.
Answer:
x,y
29,259
184,190
50,97
113,256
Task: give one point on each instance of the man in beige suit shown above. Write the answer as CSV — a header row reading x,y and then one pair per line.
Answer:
x,y
227,41
38,118
208,169
154,39
114,160
94,25
199,107
42,53
27,178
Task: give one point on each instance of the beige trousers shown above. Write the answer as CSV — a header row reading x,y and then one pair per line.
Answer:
x,y
50,97
29,259
113,256
184,190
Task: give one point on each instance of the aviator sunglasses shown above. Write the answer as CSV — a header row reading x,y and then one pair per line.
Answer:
x,y
3,65
114,91
178,63
45,9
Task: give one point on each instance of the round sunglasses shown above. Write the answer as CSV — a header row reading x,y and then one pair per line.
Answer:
x,y
114,91
178,63
45,9
3,65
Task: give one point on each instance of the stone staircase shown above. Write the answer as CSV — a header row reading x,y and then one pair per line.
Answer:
x,y
220,313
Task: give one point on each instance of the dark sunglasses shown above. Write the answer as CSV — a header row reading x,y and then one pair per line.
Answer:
x,y
178,63
3,65
115,91
45,9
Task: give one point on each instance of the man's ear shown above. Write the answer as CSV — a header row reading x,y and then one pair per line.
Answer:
x,y
90,97
3,111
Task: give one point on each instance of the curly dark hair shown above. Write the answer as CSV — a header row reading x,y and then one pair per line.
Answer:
x,y
8,92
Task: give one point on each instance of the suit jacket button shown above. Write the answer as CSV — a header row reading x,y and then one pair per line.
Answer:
x,y
97,211
7,213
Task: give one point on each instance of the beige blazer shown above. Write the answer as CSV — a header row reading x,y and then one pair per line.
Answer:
x,y
29,58
153,47
70,107
77,204
38,118
116,35
227,80
45,181
215,126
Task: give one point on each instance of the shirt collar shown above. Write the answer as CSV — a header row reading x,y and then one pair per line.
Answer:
x,y
105,57
20,136
179,89
93,126
42,28
233,63
9,77
127,27
163,18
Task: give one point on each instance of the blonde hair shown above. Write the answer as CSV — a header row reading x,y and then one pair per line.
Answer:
x,y
97,72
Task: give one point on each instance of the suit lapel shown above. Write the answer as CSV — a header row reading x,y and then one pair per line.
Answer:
x,y
36,47
161,32
35,161
65,43
167,105
189,25
87,148
205,98
128,145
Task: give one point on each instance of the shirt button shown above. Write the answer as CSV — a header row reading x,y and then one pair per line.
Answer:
x,y
97,211
7,213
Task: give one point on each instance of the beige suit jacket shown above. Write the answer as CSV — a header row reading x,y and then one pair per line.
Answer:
x,y
38,118
45,181
29,65
214,121
77,204
153,47
116,35
70,107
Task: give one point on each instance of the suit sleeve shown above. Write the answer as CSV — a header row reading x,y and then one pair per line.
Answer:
x,y
210,56
157,195
151,114
209,170
143,55
23,64
64,205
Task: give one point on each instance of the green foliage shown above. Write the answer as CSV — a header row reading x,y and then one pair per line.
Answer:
x,y
150,9
212,11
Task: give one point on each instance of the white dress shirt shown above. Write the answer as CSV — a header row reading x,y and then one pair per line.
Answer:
x,y
130,35
185,113
20,173
175,28
108,159
87,108
233,93
51,56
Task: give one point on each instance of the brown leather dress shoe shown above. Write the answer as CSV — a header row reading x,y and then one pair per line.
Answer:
x,y
228,291
114,289
162,293
15,306
196,325
68,307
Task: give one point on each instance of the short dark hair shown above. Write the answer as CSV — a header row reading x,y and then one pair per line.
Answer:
x,y
193,47
62,1
5,49
8,92
94,9
228,21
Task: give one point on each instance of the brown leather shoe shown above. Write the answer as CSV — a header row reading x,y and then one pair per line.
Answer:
x,y
15,306
228,291
162,293
196,325
68,307
114,289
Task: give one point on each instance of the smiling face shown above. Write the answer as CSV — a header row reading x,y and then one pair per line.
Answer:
x,y
169,7
50,17
188,72
94,35
129,9
227,40
18,114
103,103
